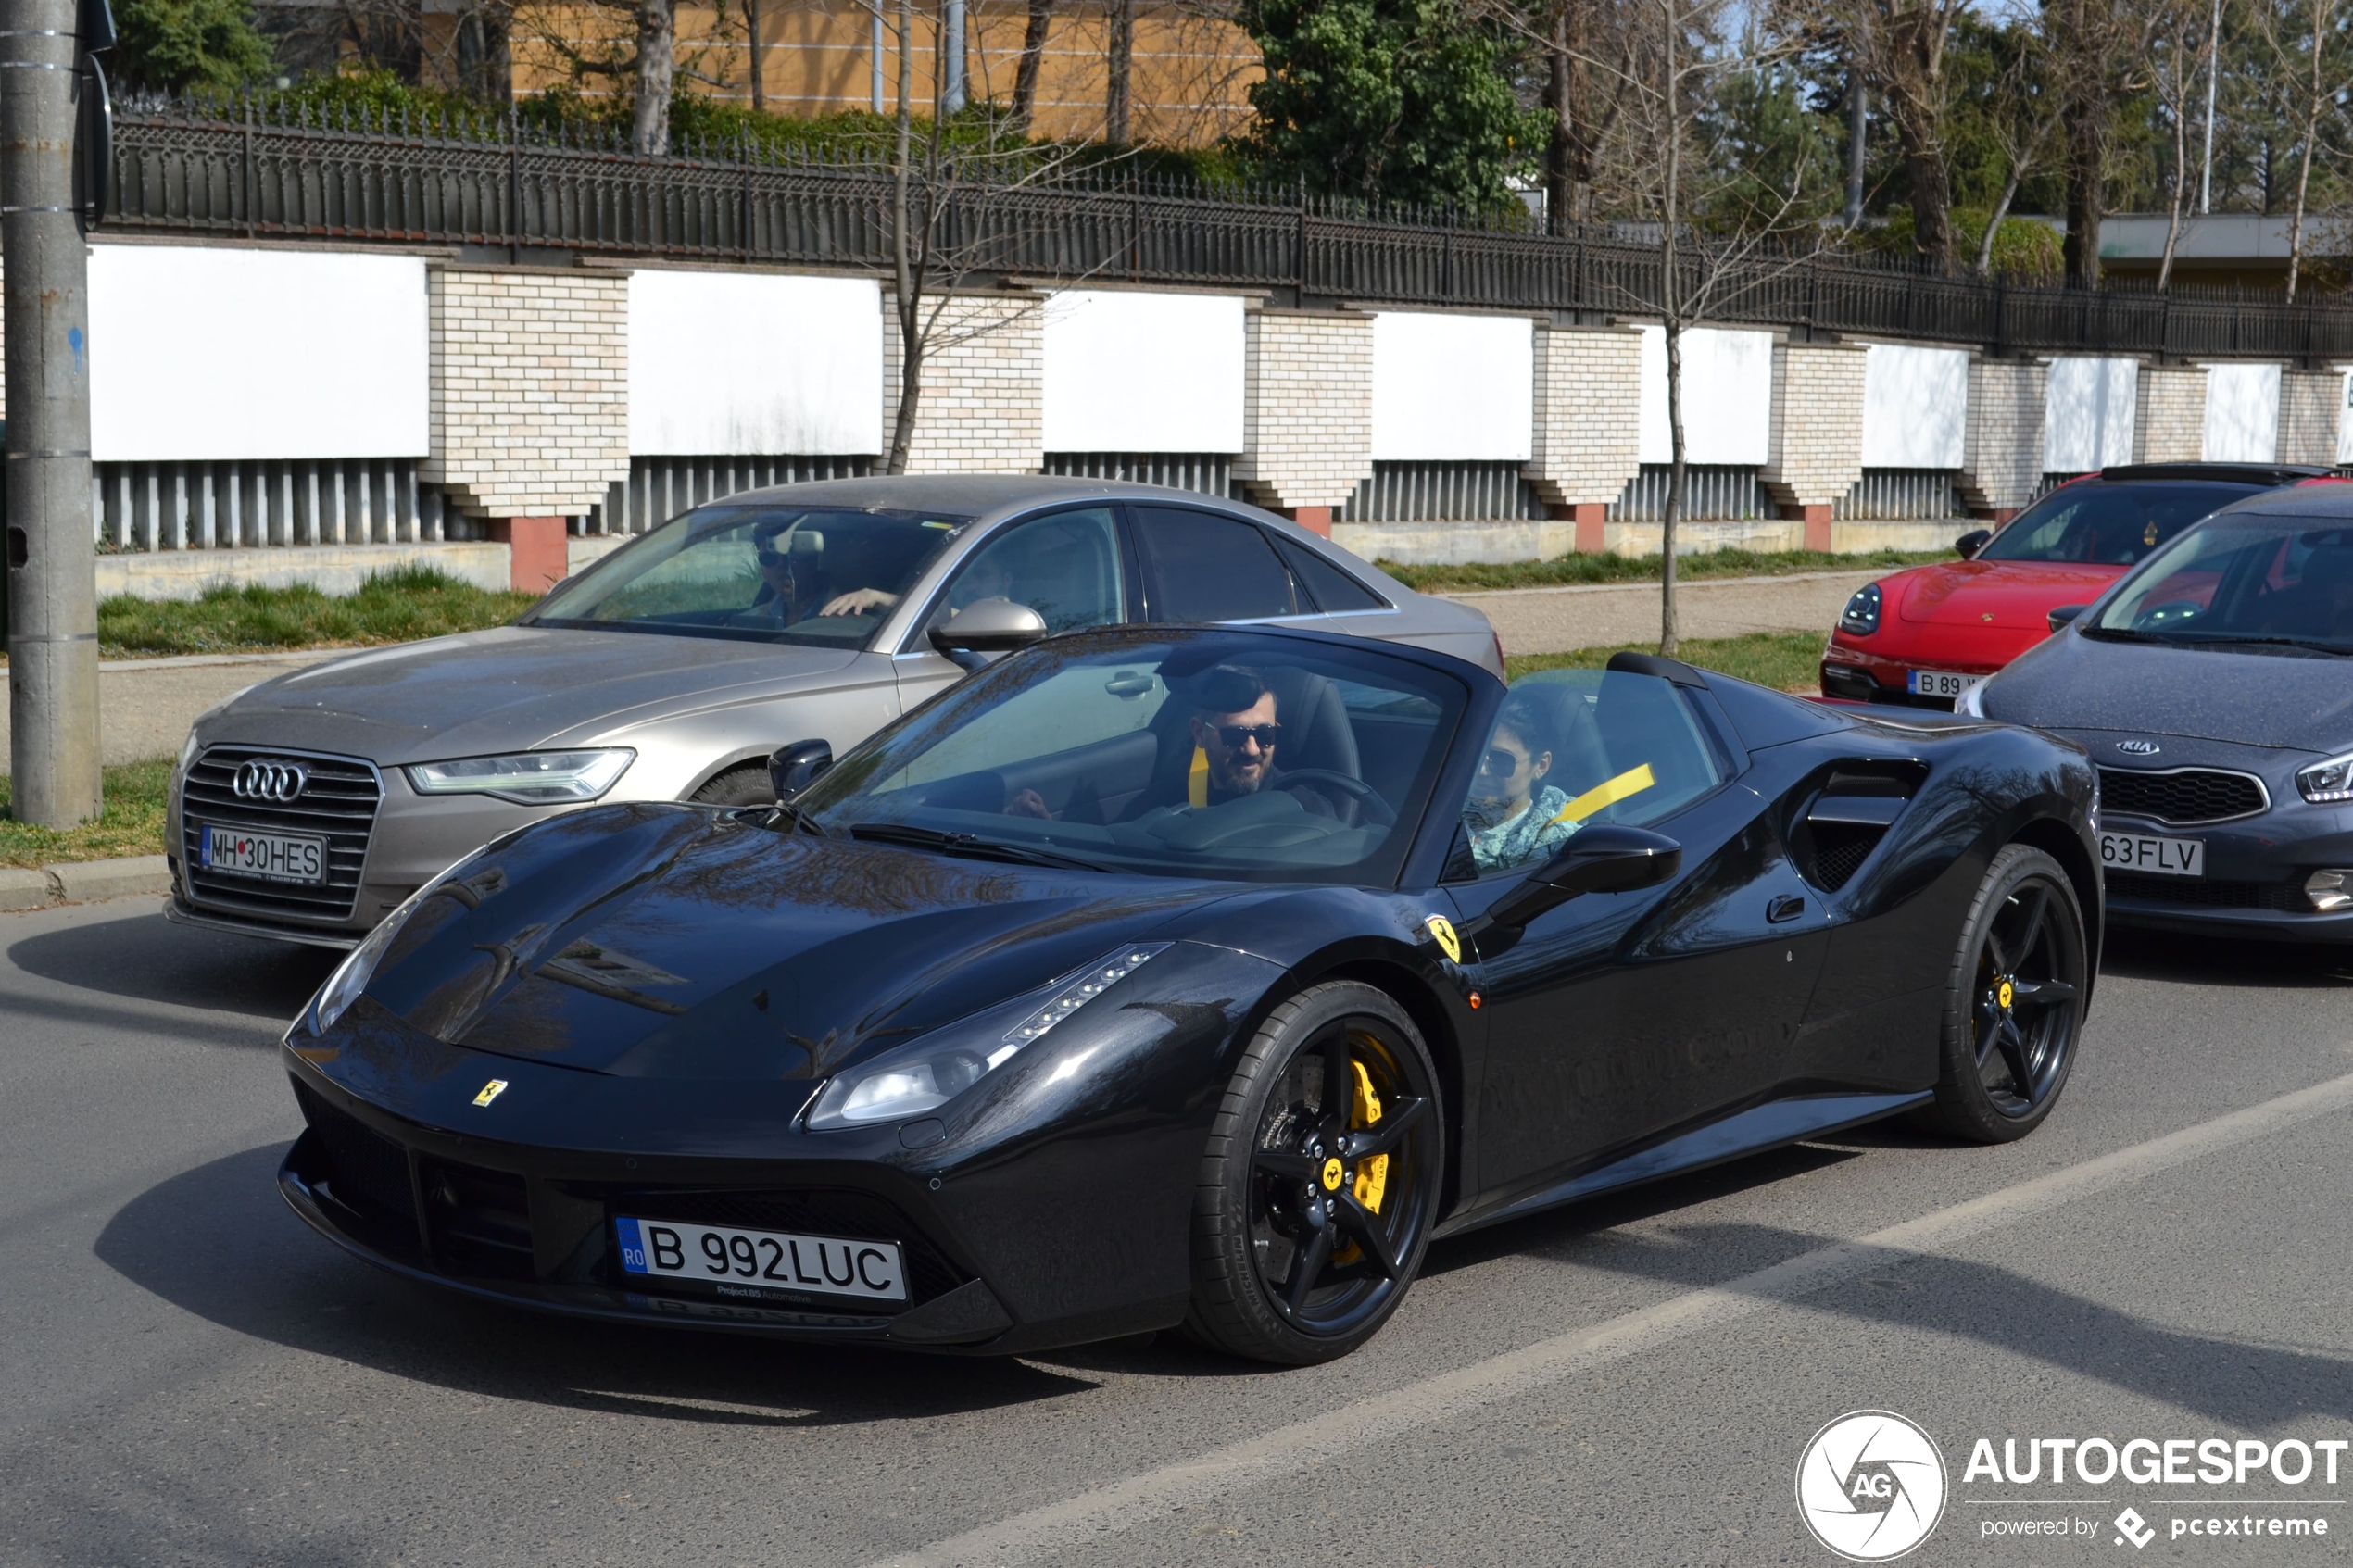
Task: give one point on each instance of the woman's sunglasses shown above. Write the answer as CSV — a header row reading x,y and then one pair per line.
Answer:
x,y
1266,735
1502,763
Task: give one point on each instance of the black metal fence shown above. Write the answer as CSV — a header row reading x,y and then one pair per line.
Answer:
x,y
263,172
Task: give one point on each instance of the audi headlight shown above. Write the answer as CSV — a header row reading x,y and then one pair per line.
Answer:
x,y
1860,618
2325,781
528,778
937,1069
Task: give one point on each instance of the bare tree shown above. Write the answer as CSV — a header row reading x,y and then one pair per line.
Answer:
x,y
1033,56
2095,62
752,53
2181,45
1899,48
1119,86
2312,79
2022,134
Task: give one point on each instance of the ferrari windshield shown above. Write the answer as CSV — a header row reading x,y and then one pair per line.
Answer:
x,y
820,578
2245,579
1198,754
2117,523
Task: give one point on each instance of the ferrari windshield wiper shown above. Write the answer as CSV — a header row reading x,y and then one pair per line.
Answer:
x,y
969,845
2334,649
799,818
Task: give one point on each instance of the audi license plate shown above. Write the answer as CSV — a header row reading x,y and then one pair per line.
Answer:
x,y
1941,682
722,1256
274,856
2158,856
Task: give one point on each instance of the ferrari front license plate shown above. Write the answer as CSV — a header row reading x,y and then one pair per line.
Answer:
x,y
275,857
1941,682
2159,857
720,1256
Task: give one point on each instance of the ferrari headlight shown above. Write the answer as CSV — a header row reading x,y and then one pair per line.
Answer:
x,y
528,778
934,1071
2325,781
359,967
1860,618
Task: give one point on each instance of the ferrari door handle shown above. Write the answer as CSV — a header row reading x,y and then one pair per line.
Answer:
x,y
1787,906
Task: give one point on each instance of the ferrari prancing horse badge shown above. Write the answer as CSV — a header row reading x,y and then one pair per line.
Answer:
x,y
1441,930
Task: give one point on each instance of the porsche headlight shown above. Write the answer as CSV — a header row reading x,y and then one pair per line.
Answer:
x,y
937,1069
2325,781
1860,618
351,976
528,778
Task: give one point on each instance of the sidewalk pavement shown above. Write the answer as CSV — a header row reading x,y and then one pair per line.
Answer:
x,y
1614,614
146,705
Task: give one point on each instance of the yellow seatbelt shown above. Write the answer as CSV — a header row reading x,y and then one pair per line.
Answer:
x,y
1632,782
1197,779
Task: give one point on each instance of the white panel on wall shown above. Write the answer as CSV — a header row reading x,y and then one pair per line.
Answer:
x,y
754,364
207,354
1129,371
2087,414
1453,388
2241,413
1728,397
1915,407
2344,420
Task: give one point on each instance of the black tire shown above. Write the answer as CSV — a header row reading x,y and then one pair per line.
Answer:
x,y
737,786
2013,1002
1309,1226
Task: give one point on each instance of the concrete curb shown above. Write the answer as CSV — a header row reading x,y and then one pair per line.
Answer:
x,y
83,881
1682,584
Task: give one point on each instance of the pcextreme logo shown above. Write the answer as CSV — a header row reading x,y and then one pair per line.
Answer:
x,y
1870,1485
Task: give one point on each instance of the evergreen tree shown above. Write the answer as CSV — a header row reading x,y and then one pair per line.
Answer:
x,y
174,45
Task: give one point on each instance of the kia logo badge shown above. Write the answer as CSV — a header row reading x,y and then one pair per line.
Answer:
x,y
279,781
2138,748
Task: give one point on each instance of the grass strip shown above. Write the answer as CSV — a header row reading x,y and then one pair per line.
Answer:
x,y
1789,661
1598,567
390,606
130,824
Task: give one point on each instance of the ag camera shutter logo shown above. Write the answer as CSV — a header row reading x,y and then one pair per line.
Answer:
x,y
1870,1485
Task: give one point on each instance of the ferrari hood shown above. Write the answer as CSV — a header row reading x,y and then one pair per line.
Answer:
x,y
672,942
2076,682
511,688
2006,594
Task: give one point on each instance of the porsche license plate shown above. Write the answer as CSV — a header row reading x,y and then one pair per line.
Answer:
x,y
2151,856
722,1256
275,857
1941,682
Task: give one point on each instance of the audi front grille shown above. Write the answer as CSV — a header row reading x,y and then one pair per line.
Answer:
x,y
2181,796
334,798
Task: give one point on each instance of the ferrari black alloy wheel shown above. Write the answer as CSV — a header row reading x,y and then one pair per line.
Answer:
x,y
1320,1180
2014,1006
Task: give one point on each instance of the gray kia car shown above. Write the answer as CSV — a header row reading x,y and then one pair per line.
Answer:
x,y
309,806
2213,686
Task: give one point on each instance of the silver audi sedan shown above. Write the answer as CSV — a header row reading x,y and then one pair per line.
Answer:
x,y
309,806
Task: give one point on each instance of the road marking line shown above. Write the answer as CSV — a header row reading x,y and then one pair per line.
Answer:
x,y
1154,1494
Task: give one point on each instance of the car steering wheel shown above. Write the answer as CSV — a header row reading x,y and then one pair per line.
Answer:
x,y
1371,808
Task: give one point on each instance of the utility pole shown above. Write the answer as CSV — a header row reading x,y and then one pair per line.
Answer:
x,y
53,598
2213,75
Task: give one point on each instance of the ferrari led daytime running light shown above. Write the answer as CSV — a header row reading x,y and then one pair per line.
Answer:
x,y
1860,618
1098,977
2325,781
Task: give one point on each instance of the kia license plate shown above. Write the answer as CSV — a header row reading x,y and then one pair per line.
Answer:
x,y
757,1261
274,857
1941,682
2149,856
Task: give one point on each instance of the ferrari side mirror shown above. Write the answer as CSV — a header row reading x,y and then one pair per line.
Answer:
x,y
794,768
989,626
1604,858
1969,544
2064,614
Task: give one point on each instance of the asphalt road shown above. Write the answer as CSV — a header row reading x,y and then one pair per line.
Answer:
x,y
192,1378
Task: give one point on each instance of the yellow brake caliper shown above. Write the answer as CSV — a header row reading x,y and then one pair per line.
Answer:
x,y
1372,1175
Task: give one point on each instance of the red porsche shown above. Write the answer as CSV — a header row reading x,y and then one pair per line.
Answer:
x,y
1927,634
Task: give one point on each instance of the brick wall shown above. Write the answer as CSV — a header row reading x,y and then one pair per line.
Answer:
x,y
1815,452
1589,414
2310,401
983,408
530,389
2171,405
2002,453
1307,408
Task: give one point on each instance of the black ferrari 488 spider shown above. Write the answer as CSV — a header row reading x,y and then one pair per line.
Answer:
x,y
1199,977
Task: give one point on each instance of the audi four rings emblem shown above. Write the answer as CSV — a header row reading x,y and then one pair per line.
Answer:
x,y
281,782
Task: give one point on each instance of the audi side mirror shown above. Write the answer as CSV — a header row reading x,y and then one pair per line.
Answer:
x,y
794,768
1969,544
1607,858
987,626
2064,614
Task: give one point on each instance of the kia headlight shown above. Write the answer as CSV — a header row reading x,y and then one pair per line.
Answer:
x,y
1860,618
527,778
935,1070
2325,781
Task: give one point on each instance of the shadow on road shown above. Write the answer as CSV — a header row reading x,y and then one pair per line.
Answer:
x,y
2216,961
217,1241
147,956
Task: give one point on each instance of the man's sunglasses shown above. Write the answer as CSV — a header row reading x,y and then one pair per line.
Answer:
x,y
1266,735
768,558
